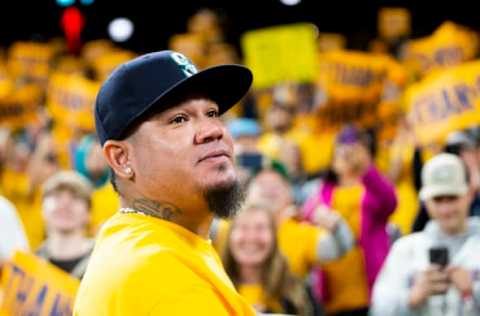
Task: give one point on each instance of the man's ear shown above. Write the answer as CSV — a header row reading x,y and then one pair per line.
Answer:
x,y
118,155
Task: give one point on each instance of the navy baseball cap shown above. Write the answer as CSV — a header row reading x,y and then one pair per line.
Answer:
x,y
157,81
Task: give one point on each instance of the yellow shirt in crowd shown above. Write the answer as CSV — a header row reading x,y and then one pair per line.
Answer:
x,y
346,278
298,242
15,186
407,205
105,203
407,196
316,148
146,266
256,297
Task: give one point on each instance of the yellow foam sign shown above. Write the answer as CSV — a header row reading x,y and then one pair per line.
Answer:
x,y
71,99
444,102
450,45
282,53
356,77
20,107
33,286
352,84
334,116
30,60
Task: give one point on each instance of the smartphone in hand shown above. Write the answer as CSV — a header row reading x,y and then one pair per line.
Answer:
x,y
439,256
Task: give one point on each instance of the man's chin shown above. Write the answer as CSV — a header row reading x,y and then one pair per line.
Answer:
x,y
224,198
224,180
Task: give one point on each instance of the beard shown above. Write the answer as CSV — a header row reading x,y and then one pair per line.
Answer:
x,y
225,200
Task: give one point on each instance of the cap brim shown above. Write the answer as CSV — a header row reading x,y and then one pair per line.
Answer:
x,y
225,84
427,193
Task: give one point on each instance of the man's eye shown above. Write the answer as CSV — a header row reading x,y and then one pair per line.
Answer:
x,y
212,113
178,119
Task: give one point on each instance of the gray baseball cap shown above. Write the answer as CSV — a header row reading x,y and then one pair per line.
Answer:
x,y
444,174
70,180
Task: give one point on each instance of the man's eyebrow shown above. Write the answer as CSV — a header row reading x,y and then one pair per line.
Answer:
x,y
157,113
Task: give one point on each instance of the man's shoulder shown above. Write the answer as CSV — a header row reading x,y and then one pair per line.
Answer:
x,y
134,282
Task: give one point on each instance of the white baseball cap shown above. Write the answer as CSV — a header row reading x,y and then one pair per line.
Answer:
x,y
444,174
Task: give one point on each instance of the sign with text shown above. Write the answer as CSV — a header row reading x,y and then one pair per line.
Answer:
x,y
450,45
351,85
30,60
71,99
444,102
21,106
33,286
356,77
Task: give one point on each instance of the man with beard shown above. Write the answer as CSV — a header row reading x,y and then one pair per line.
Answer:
x,y
158,120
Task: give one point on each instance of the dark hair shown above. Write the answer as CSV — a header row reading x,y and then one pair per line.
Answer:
x,y
366,137
330,176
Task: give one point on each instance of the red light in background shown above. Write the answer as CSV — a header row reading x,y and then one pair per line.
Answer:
x,y
72,23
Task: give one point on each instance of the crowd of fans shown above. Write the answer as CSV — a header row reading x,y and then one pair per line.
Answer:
x,y
344,218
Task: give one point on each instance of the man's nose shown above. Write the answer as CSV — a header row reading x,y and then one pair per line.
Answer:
x,y
209,131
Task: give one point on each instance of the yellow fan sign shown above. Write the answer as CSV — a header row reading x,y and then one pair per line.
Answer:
x,y
281,54
449,45
444,102
70,100
33,286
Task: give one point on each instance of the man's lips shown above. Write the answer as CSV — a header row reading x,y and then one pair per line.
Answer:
x,y
215,154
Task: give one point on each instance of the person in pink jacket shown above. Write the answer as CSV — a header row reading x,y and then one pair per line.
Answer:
x,y
365,199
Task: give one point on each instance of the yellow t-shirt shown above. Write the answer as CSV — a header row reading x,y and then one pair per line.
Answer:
x,y
146,266
298,242
256,297
407,205
407,198
16,187
105,203
316,148
346,278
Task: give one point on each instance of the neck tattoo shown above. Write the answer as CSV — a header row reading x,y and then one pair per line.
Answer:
x,y
158,209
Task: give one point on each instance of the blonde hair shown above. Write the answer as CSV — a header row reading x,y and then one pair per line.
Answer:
x,y
277,281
